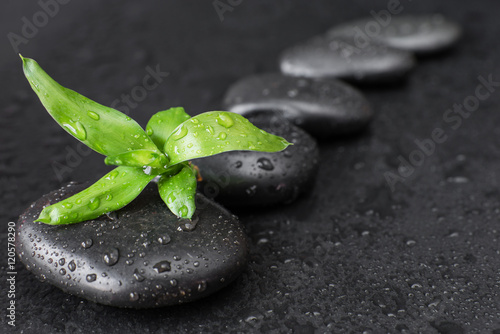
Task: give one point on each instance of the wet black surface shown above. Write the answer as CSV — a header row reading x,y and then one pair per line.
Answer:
x,y
351,256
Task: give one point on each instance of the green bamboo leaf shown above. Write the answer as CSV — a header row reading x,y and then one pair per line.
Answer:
x,y
178,191
161,124
112,192
139,158
216,132
103,129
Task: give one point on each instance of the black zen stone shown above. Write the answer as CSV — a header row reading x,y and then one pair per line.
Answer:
x,y
341,56
142,256
249,179
422,34
323,107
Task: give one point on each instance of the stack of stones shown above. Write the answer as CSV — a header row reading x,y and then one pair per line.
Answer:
x,y
143,256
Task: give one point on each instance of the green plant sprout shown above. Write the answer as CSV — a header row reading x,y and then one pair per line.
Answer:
x,y
171,139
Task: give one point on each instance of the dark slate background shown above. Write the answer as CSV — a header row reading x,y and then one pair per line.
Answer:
x,y
352,256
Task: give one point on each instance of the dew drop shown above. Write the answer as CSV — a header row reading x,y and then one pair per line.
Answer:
x,y
187,225
133,296
62,271
265,164
87,243
171,198
149,131
76,129
222,136
91,278
173,282
111,256
225,120
138,277
112,175
210,129
94,203
62,261
109,197
202,286
181,132
238,164
183,211
162,266
164,239
93,115
72,265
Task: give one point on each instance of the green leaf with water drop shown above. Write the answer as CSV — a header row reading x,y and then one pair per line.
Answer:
x,y
139,158
103,129
178,191
112,192
163,123
216,132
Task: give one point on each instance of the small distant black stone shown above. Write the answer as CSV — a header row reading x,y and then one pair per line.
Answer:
x,y
422,34
342,57
323,107
140,259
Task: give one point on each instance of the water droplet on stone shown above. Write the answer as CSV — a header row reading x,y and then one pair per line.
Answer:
x,y
134,296
162,266
72,265
111,256
138,277
187,225
91,278
87,243
265,164
164,239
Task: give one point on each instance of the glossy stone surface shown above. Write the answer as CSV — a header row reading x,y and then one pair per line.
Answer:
x,y
249,179
324,107
141,256
339,56
423,34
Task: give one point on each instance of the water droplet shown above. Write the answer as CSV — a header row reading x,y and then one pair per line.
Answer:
x,y
91,278
62,261
210,129
173,282
189,145
196,263
87,243
183,211
265,164
72,265
109,197
134,296
62,271
112,175
238,164
251,191
138,277
181,132
93,115
162,266
149,131
164,239
225,120
222,136
187,225
94,203
171,198
292,93
76,129
111,256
